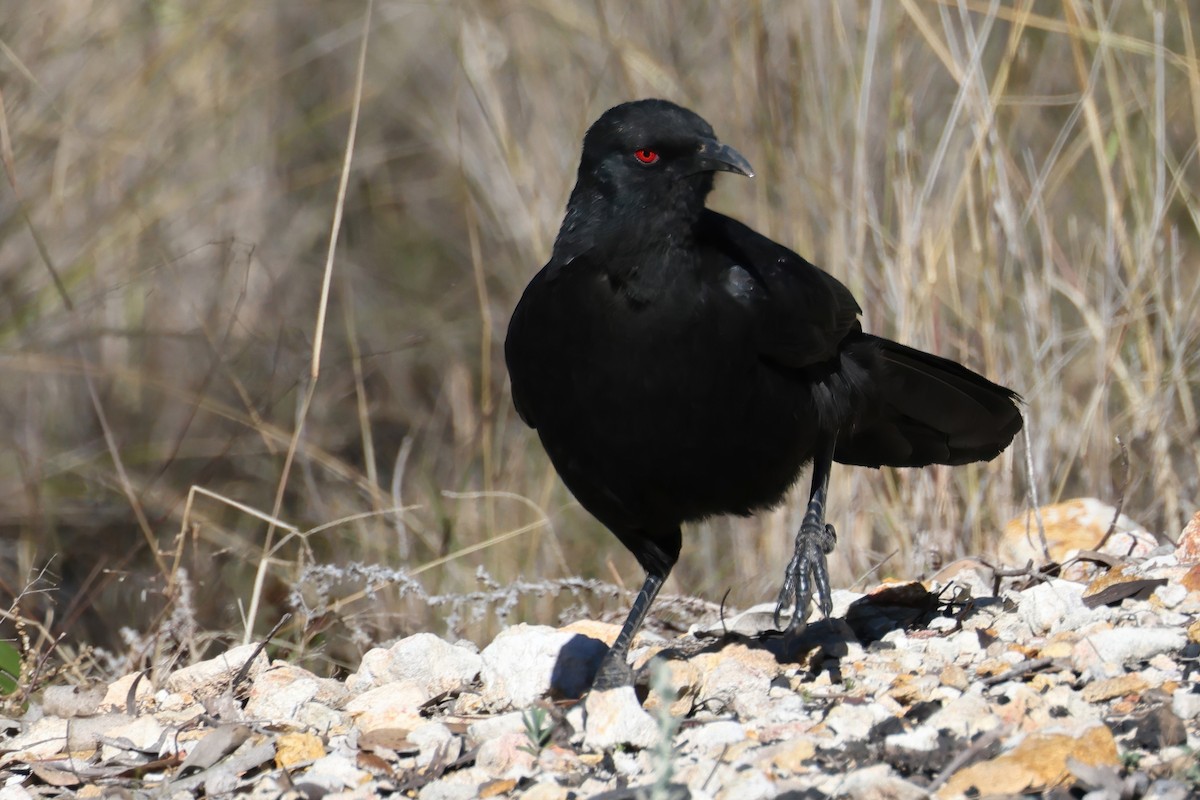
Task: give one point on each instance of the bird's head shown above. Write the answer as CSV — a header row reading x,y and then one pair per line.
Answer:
x,y
643,161
649,144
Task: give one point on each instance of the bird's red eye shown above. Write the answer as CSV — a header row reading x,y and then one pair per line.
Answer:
x,y
646,156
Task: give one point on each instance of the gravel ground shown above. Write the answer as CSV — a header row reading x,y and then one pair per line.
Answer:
x,y
1068,688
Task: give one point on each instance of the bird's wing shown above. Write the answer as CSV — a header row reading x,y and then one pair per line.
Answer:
x,y
520,345
800,313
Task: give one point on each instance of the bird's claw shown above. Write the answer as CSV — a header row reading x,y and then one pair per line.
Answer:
x,y
807,570
613,673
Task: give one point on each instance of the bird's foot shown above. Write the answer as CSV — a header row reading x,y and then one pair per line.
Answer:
x,y
613,673
807,570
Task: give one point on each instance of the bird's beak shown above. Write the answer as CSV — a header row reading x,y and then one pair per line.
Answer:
x,y
716,157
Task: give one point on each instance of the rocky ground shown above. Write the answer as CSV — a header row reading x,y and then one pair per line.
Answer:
x,y
970,685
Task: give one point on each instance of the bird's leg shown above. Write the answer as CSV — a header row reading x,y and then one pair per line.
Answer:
x,y
814,540
614,671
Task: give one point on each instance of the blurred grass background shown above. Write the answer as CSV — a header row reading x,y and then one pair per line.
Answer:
x,y
1012,184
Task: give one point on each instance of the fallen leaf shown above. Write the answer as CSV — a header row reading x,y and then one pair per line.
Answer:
x,y
215,746
55,777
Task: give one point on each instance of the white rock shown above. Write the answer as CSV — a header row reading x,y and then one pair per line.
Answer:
x,y
1166,789
1185,704
943,624
461,784
708,740
615,718
703,780
1125,645
630,763
46,737
960,647
592,786
842,600
921,739
49,735
144,734
753,620
319,717
747,785
1056,605
522,664
965,716
878,783
850,722
576,718
279,692
739,686
547,790
117,695
1171,594
423,659
490,727
506,756
786,708
1063,697
215,675
333,772
393,706
282,702
72,701
434,740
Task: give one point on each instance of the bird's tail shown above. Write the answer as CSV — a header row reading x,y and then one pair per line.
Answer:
x,y
934,411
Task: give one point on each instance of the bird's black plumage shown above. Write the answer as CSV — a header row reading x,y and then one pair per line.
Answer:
x,y
678,365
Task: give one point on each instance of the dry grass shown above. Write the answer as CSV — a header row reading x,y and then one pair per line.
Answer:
x,y
1013,184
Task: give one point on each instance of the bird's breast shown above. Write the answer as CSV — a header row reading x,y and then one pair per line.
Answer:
x,y
681,364
657,397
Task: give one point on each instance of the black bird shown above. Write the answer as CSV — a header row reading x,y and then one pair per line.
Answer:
x,y
678,365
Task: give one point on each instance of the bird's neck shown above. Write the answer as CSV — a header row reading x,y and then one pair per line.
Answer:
x,y
623,237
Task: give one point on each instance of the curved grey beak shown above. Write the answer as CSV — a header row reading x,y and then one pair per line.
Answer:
x,y
716,157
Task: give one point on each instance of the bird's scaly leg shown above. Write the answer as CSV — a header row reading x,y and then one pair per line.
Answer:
x,y
614,671
814,540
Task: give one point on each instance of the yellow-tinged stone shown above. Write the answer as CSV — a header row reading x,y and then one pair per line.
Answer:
x,y
1194,631
907,690
1119,686
1042,682
595,630
1070,526
497,787
1124,706
1025,650
297,748
790,756
752,657
1059,649
1038,763
1190,580
993,666
736,750
547,790
684,680
1122,573
955,677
